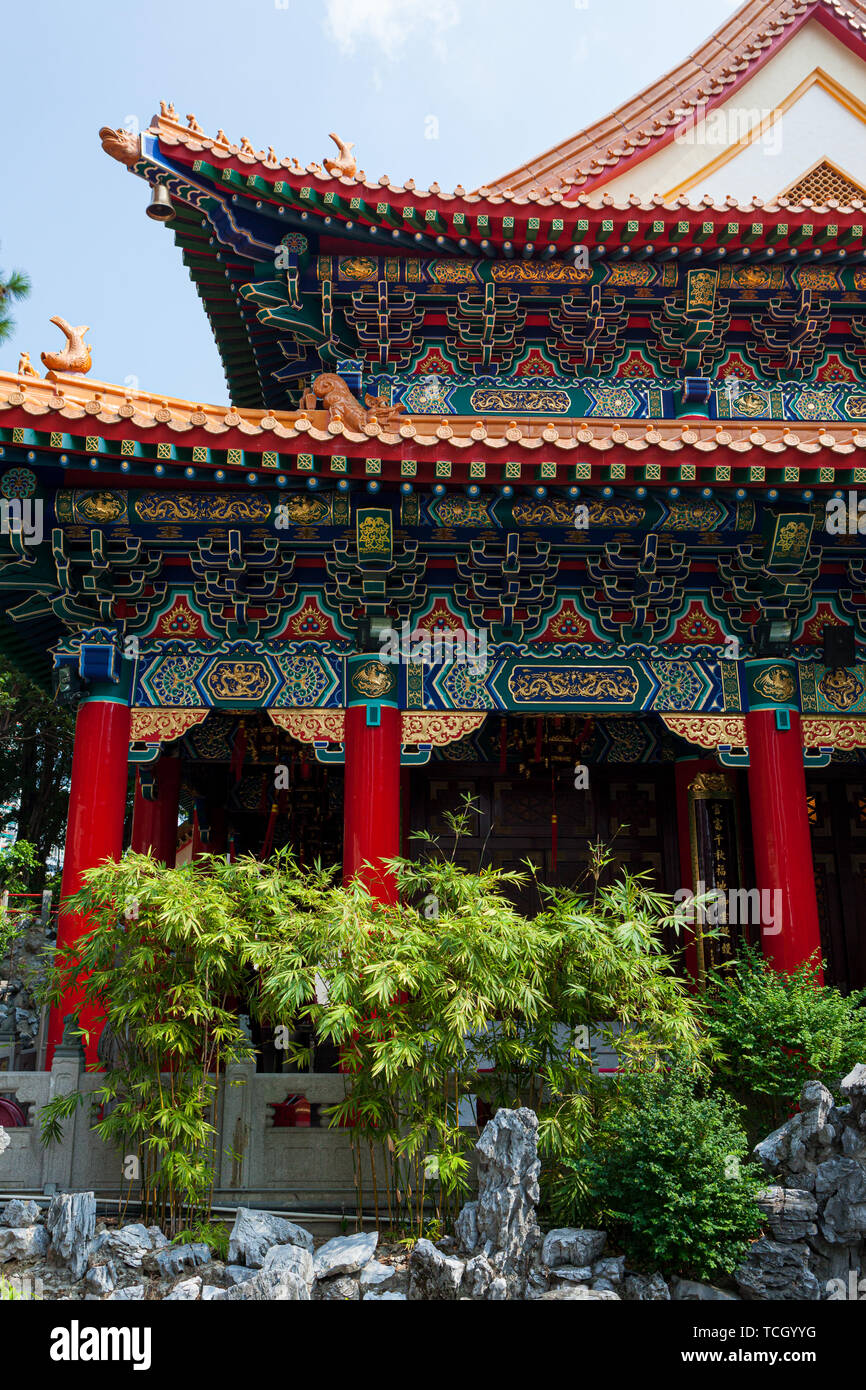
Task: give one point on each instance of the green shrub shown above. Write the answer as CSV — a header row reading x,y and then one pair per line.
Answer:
x,y
776,1031
667,1177
212,1233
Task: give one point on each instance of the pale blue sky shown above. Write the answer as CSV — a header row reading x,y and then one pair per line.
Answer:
x,y
504,78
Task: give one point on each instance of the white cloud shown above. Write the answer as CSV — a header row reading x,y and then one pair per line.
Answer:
x,y
388,24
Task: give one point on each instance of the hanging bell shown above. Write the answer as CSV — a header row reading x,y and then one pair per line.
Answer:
x,y
160,206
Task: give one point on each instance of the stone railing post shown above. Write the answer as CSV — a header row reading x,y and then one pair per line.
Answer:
x,y
67,1067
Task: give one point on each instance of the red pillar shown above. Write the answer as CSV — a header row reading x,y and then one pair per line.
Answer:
x,y
94,831
780,828
371,814
154,821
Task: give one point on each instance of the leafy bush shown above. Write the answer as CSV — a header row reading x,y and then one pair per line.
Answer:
x,y
212,1233
164,959
776,1031
417,999
667,1177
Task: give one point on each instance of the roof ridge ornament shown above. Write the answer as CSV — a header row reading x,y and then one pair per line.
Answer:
x,y
75,357
346,165
121,144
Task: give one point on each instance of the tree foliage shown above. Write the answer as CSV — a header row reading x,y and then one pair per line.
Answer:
x,y
13,285
447,996
36,736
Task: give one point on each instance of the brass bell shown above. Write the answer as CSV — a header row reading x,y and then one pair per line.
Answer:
x,y
160,208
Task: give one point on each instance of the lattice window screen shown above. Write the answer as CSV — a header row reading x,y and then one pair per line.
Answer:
x,y
824,182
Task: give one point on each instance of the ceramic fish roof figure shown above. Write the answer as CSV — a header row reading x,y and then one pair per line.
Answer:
x,y
75,357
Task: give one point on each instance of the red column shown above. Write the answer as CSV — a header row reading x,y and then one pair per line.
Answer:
x,y
94,831
780,827
154,822
371,815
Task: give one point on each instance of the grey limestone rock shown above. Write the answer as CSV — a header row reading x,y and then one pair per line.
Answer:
x,y
481,1281
341,1289
508,1169
238,1274
254,1232
374,1296
102,1278
174,1259
70,1223
133,1293
577,1293
128,1245
776,1271
691,1291
466,1227
375,1274
187,1291
432,1275
646,1288
22,1242
568,1245
20,1212
286,1275
791,1212
345,1254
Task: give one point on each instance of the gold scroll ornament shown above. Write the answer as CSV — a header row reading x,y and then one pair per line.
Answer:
x,y
163,725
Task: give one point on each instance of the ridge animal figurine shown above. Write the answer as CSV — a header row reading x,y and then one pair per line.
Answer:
x,y
75,357
339,401
25,366
346,163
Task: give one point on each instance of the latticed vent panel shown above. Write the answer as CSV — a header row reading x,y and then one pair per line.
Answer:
x,y
824,182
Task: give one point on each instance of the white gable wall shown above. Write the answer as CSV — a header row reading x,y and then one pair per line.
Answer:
x,y
816,126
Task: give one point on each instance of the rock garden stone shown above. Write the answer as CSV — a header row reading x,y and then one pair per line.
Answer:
x,y
286,1275
23,1243
254,1232
102,1278
777,1271
577,1293
375,1274
646,1288
691,1291
432,1275
20,1212
790,1212
568,1245
345,1254
187,1291
176,1258
70,1223
341,1289
128,1245
238,1274
612,1267
375,1296
508,1169
481,1281
132,1293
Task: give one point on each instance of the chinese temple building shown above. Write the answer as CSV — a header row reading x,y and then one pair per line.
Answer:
x,y
580,427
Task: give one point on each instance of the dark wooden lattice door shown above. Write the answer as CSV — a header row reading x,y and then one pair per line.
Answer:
x,y
632,807
837,814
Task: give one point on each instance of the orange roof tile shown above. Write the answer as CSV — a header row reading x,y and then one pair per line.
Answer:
x,y
51,402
